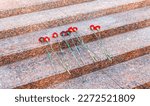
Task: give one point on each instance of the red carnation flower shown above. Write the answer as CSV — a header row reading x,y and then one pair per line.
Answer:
x,y
54,35
46,39
63,33
97,27
41,39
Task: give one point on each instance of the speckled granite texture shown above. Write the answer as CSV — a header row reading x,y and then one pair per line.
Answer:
x,y
43,83
14,7
124,75
24,62
140,18
65,15
127,46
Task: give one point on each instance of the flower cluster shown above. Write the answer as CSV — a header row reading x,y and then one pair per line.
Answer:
x,y
47,39
72,29
93,27
69,31
44,39
66,33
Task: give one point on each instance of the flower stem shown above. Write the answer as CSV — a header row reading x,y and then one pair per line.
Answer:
x,y
80,40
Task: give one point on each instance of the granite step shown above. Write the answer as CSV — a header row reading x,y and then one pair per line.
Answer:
x,y
37,72
21,24
22,47
14,7
124,75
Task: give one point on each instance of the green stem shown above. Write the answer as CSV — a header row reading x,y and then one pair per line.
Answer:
x,y
60,60
72,52
78,51
100,45
50,58
80,40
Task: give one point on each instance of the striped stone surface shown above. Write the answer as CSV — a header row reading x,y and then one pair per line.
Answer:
x,y
28,44
124,75
16,7
60,16
24,62
29,70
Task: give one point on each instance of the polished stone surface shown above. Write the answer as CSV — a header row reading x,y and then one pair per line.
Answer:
x,y
11,4
60,16
42,16
15,7
125,28
124,75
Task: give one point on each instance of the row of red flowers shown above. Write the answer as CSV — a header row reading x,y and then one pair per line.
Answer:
x,y
66,33
93,27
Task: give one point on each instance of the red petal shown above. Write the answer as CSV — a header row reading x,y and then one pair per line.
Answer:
x,y
70,29
41,39
92,27
97,27
75,29
46,39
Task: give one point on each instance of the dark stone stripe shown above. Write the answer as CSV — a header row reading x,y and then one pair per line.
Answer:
x,y
144,86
